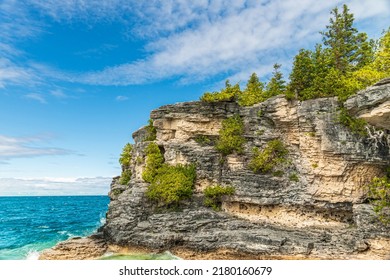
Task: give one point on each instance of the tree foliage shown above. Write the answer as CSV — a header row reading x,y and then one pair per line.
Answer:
x,y
154,160
253,92
168,184
125,161
356,125
349,48
276,85
231,136
265,160
229,93
125,156
213,195
151,131
378,193
346,63
172,184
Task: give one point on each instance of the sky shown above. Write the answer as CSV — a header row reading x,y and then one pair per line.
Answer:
x,y
77,77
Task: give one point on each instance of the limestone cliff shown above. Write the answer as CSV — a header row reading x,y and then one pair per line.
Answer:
x,y
322,215
316,208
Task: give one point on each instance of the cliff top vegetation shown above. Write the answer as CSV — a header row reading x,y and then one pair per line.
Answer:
x,y
346,61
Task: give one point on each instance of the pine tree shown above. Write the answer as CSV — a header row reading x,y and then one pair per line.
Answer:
x,y
382,56
253,92
302,74
350,48
276,85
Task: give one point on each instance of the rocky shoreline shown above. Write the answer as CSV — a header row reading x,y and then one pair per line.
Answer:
x,y
321,214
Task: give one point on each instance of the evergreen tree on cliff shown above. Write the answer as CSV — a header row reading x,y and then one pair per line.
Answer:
x,y
349,48
276,85
253,92
340,67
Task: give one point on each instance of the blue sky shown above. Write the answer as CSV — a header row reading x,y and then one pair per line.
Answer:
x,y
78,77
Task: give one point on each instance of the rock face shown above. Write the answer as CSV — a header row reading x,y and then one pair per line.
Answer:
x,y
77,248
372,104
322,215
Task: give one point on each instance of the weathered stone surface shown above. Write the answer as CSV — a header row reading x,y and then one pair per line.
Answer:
x,y
320,216
372,104
77,248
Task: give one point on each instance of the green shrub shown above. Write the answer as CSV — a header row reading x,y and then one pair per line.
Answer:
x,y
231,136
378,193
357,126
125,157
278,173
139,160
154,160
203,140
117,192
229,93
168,184
125,160
151,131
125,177
172,184
266,160
213,195
294,177
253,93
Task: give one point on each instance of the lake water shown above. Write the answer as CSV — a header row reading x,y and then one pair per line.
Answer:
x,y
29,225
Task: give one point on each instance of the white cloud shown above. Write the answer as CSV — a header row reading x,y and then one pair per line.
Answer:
x,y
54,186
36,97
26,147
58,93
221,40
11,73
121,98
188,40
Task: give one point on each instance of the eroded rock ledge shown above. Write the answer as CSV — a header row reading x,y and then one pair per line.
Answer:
x,y
372,104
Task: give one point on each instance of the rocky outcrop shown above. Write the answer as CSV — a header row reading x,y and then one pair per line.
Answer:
x,y
77,248
372,104
314,209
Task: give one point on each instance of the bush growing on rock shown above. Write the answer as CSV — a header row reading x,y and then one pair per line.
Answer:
x,y
125,156
213,195
168,184
172,184
267,159
151,131
378,193
154,160
125,177
125,160
229,93
356,125
231,137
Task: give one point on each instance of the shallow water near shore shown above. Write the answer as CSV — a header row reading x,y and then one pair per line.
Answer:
x,y
29,225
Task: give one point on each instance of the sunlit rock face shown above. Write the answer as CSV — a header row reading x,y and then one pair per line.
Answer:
x,y
322,213
372,104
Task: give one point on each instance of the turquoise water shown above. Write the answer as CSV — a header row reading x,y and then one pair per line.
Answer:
x,y
29,225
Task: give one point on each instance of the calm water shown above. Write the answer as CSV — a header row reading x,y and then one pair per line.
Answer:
x,y
30,224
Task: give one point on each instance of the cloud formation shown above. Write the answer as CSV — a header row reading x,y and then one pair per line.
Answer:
x,y
26,147
190,41
54,186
